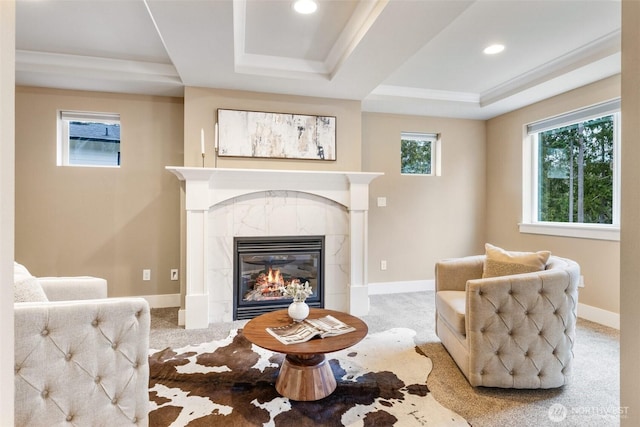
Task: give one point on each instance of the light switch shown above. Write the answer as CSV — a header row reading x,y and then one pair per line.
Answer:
x,y
382,202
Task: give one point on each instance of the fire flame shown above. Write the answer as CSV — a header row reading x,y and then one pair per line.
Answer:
x,y
274,277
269,283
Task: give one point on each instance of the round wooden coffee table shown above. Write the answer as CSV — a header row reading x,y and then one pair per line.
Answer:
x,y
305,373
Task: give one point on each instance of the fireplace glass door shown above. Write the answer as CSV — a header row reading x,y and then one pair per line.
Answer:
x,y
263,265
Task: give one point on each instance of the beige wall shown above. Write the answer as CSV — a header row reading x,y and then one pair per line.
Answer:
x,y
200,109
115,222
630,239
599,259
107,222
427,217
428,225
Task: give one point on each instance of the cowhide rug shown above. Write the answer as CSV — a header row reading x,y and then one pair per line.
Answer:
x,y
381,382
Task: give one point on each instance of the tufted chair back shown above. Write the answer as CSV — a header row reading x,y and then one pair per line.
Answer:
x,y
513,331
80,362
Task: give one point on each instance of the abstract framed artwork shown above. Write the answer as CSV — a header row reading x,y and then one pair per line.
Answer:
x,y
276,135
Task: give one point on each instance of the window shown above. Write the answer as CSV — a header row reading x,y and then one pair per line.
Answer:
x,y
419,153
88,139
571,176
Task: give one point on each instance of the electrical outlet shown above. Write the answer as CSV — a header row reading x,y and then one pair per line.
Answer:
x,y
383,264
581,282
174,274
382,202
146,274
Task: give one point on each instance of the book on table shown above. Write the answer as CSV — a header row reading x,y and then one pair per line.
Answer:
x,y
299,332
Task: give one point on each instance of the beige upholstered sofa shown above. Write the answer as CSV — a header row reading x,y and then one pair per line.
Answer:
x,y
79,361
514,331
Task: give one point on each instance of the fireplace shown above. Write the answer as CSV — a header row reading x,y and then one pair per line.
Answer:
x,y
262,265
330,203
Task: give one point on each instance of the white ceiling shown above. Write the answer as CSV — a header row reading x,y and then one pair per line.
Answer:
x,y
397,56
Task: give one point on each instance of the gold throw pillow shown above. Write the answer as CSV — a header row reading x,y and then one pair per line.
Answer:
x,y
499,262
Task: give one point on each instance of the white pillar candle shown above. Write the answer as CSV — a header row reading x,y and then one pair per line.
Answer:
x,y
202,141
216,137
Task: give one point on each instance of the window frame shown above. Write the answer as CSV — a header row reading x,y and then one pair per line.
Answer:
x,y
436,141
63,119
530,160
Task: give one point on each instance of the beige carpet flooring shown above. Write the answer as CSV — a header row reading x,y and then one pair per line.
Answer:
x,y
591,399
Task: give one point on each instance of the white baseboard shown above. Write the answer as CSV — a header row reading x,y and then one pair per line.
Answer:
x,y
162,301
587,312
401,287
598,315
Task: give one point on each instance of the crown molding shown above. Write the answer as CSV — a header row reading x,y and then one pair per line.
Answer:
x,y
602,52
599,49
427,94
352,34
93,67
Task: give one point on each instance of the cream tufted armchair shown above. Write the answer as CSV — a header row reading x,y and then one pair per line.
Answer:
x,y
79,362
514,331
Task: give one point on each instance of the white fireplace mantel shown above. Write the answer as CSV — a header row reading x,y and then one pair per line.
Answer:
x,y
207,187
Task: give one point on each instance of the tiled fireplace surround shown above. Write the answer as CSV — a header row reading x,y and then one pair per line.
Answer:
x,y
221,204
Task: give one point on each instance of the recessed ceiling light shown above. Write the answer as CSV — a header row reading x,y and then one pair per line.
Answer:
x,y
305,6
493,49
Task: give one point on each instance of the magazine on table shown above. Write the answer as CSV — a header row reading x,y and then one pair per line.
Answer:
x,y
327,326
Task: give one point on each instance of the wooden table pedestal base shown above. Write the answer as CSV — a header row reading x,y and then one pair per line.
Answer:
x,y
305,377
305,374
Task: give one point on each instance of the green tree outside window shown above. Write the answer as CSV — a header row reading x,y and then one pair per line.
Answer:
x,y
416,153
575,173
